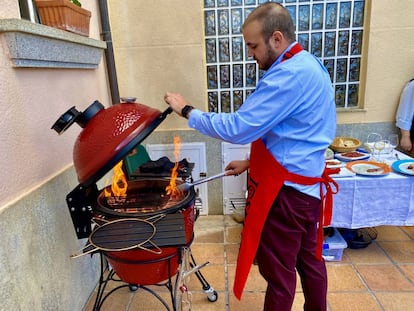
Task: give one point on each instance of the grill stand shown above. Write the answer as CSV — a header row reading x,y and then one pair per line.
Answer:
x,y
180,294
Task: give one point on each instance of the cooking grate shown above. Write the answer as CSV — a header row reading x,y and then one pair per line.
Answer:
x,y
141,202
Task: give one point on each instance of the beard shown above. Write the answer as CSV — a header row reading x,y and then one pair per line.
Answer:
x,y
268,59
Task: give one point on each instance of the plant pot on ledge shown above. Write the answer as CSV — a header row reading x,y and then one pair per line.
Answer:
x,y
65,15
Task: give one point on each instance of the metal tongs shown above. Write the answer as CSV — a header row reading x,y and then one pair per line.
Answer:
x,y
185,186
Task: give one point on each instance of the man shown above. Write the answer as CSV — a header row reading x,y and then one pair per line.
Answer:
x,y
290,120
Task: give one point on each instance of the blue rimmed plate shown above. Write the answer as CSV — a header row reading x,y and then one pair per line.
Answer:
x,y
405,167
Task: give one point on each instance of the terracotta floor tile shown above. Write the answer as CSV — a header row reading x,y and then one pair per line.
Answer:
x,y
232,251
213,274
250,301
408,270
233,234
400,252
390,233
229,221
211,252
143,300
384,278
343,277
253,301
409,230
352,301
119,300
371,254
209,226
200,302
208,236
255,281
396,301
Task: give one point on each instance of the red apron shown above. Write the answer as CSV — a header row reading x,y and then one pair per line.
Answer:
x,y
266,178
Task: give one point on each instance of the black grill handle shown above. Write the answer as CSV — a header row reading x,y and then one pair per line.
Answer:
x,y
166,112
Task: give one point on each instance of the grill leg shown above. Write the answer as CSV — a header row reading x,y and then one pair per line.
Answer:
x,y
188,266
212,295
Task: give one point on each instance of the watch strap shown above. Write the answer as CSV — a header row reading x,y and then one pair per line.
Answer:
x,y
186,110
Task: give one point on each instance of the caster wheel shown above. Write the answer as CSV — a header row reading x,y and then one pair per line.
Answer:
x,y
213,297
132,287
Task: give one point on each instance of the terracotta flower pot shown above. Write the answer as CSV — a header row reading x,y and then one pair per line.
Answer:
x,y
64,15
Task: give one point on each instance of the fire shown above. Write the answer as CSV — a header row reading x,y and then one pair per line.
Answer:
x,y
172,189
119,184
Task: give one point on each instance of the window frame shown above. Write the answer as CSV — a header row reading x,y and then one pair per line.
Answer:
x,y
226,99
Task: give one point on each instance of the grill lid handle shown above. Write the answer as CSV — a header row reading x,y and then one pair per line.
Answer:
x,y
73,115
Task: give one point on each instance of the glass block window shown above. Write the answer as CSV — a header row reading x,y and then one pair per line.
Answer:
x,y
330,29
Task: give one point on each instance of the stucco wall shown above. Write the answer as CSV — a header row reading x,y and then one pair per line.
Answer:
x,y
36,165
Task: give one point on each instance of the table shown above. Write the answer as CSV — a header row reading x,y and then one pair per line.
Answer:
x,y
374,201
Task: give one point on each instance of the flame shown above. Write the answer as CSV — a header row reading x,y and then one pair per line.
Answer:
x,y
172,189
119,184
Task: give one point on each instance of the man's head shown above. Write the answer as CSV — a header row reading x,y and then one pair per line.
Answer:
x,y
268,31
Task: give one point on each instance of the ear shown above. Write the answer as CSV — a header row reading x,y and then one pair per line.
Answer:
x,y
276,39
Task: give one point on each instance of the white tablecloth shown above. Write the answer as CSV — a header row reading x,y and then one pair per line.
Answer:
x,y
374,201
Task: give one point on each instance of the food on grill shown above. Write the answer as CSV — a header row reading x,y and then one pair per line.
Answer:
x,y
352,154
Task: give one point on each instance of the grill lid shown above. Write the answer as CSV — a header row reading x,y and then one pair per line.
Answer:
x,y
108,135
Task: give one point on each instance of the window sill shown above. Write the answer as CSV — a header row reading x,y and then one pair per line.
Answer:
x,y
353,110
34,45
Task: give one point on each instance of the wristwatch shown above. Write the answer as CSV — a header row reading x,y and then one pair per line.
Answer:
x,y
186,110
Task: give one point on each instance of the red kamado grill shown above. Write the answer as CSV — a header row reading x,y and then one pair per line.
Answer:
x,y
146,234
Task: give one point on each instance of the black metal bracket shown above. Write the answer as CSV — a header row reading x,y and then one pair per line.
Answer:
x,y
80,201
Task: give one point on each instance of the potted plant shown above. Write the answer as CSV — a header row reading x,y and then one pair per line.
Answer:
x,y
64,14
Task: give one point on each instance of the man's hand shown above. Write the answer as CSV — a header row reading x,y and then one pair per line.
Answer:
x,y
405,141
237,167
176,101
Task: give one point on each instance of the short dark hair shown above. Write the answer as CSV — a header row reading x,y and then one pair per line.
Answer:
x,y
273,17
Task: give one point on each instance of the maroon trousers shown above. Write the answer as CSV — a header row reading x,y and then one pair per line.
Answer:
x,y
287,245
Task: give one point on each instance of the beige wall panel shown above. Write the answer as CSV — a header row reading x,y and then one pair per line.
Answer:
x,y
390,61
391,57
158,48
147,73
147,23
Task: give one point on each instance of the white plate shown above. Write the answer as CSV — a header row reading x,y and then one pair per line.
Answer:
x,y
369,168
343,157
334,163
344,172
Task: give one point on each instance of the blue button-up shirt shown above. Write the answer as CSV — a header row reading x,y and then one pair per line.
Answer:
x,y
292,110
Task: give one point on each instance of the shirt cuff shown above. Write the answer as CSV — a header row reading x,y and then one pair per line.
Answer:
x,y
195,115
